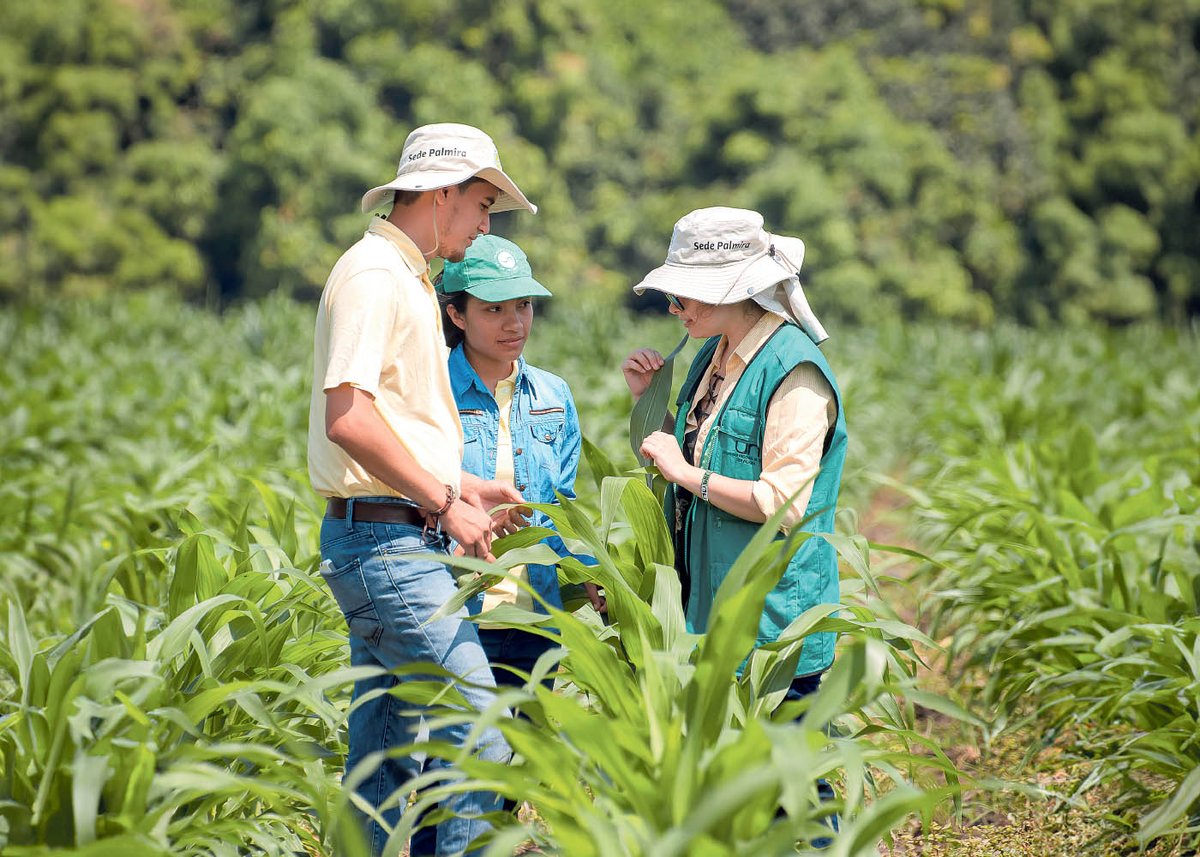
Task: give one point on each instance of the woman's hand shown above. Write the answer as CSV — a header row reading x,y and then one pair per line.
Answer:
x,y
639,368
598,601
663,450
505,522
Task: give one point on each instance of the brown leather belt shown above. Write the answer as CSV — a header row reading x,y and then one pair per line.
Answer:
x,y
375,513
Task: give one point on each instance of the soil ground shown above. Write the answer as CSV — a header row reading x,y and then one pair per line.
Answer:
x,y
995,823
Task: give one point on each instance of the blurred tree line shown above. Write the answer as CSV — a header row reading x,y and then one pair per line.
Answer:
x,y
967,159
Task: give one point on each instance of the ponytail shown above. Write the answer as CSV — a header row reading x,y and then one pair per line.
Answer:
x,y
451,331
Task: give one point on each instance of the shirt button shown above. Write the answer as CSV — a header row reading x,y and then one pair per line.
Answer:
x,y
517,451
549,436
521,487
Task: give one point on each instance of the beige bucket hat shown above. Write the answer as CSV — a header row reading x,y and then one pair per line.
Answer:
x,y
724,255
446,154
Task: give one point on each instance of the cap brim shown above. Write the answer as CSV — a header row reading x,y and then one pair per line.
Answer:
x,y
510,197
495,291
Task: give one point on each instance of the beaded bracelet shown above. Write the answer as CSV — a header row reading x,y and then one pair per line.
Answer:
x,y
704,485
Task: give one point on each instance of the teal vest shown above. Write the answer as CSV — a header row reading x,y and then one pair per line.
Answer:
x,y
733,447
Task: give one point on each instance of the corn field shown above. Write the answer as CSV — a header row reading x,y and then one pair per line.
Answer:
x,y
173,673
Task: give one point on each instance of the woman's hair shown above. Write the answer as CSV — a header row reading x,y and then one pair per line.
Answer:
x,y
458,300
750,308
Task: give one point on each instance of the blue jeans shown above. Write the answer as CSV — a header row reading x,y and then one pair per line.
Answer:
x,y
513,648
802,687
385,597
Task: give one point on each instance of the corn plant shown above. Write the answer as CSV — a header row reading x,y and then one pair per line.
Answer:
x,y
662,742
206,725
169,664
1070,571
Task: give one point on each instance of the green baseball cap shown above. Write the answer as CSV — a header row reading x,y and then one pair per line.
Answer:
x,y
493,269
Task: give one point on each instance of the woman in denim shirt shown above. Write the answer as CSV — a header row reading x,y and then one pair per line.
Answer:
x,y
519,422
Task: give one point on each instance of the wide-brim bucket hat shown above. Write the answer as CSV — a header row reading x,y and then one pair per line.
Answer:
x,y
444,155
724,255
493,269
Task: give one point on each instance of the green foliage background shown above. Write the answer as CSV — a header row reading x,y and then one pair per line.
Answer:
x,y
960,159
172,668
172,672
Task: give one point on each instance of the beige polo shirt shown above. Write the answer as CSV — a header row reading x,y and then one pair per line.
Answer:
x,y
379,329
799,416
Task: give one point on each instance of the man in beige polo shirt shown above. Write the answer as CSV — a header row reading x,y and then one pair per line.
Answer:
x,y
385,448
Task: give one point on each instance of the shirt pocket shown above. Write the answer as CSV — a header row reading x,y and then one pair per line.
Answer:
x,y
545,433
474,426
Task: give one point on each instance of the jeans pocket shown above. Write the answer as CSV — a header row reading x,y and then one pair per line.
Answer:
x,y
349,588
404,539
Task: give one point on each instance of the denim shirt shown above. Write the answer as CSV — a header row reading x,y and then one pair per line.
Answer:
x,y
546,442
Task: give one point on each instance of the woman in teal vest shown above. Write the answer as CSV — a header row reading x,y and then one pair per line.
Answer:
x,y
759,422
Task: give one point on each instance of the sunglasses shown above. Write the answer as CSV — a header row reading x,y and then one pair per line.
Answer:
x,y
673,301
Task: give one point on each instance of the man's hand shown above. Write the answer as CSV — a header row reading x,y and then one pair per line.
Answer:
x,y
471,527
487,495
